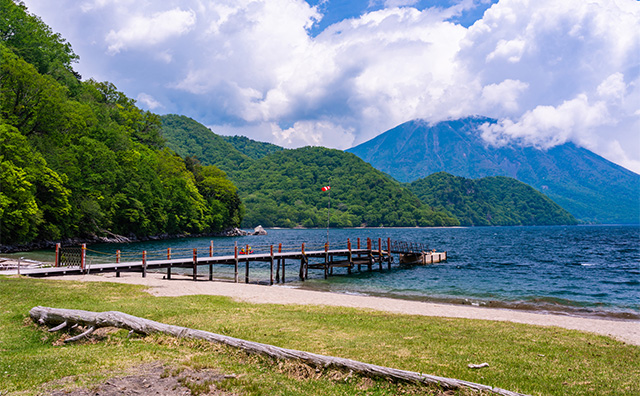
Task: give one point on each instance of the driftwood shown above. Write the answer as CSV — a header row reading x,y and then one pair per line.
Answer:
x,y
478,366
57,317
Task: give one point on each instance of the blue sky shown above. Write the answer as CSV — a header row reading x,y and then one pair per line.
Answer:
x,y
336,11
337,73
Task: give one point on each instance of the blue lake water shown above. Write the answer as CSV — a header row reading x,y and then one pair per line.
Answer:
x,y
580,270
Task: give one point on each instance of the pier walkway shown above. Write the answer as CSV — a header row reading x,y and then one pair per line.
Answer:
x,y
74,261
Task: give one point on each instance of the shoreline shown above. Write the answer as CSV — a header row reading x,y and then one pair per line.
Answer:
x,y
627,331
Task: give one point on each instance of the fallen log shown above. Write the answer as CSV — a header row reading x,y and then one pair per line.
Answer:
x,y
94,320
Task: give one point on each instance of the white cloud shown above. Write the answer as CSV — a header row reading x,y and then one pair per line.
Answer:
x,y
399,3
307,133
550,71
142,31
148,101
613,87
510,50
504,94
578,61
548,126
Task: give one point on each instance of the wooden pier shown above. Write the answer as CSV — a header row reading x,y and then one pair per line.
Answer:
x,y
73,261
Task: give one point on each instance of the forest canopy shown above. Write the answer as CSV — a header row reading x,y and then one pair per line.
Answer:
x,y
80,159
489,201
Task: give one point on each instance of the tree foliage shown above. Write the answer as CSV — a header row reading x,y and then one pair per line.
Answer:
x,y
79,158
489,201
284,190
251,148
189,138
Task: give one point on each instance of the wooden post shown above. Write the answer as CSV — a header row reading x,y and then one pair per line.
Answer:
x,y
210,271
302,264
235,255
306,264
169,253
144,263
211,249
83,255
278,269
195,264
271,267
246,271
358,243
117,262
283,261
57,260
350,256
326,260
389,252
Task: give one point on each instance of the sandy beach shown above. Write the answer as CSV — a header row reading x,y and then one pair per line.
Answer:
x,y
626,331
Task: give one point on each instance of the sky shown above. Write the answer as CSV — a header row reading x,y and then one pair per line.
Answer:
x,y
338,73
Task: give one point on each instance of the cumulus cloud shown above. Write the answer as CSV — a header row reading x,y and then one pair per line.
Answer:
x,y
140,30
505,94
548,126
149,102
575,64
310,133
550,71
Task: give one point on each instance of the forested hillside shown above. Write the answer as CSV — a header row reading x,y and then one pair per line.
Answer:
x,y
284,189
189,138
251,148
79,159
489,201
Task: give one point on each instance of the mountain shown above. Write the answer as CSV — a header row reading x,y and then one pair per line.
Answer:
x,y
489,201
251,148
587,185
284,189
189,138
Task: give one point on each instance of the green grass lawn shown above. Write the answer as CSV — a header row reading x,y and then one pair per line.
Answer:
x,y
528,359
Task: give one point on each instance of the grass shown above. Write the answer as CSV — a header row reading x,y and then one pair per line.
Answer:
x,y
528,359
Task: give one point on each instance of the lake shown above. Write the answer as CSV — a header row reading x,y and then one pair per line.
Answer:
x,y
577,270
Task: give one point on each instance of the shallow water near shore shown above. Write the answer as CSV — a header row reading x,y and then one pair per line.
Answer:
x,y
576,270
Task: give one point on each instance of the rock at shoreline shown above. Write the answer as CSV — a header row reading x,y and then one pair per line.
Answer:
x,y
235,232
259,231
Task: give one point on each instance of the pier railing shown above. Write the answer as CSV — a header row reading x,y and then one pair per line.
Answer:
x,y
81,256
354,254
408,247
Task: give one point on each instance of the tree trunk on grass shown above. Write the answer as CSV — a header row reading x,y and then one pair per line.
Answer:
x,y
57,317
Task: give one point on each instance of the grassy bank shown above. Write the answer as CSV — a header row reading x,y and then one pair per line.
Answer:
x,y
528,359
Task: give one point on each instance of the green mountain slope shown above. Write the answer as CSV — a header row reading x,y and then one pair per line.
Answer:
x,y
284,189
79,159
587,185
251,148
190,138
489,201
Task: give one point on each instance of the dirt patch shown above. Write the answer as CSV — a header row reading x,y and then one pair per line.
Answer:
x,y
154,379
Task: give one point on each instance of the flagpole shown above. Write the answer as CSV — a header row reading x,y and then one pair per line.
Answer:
x,y
328,211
